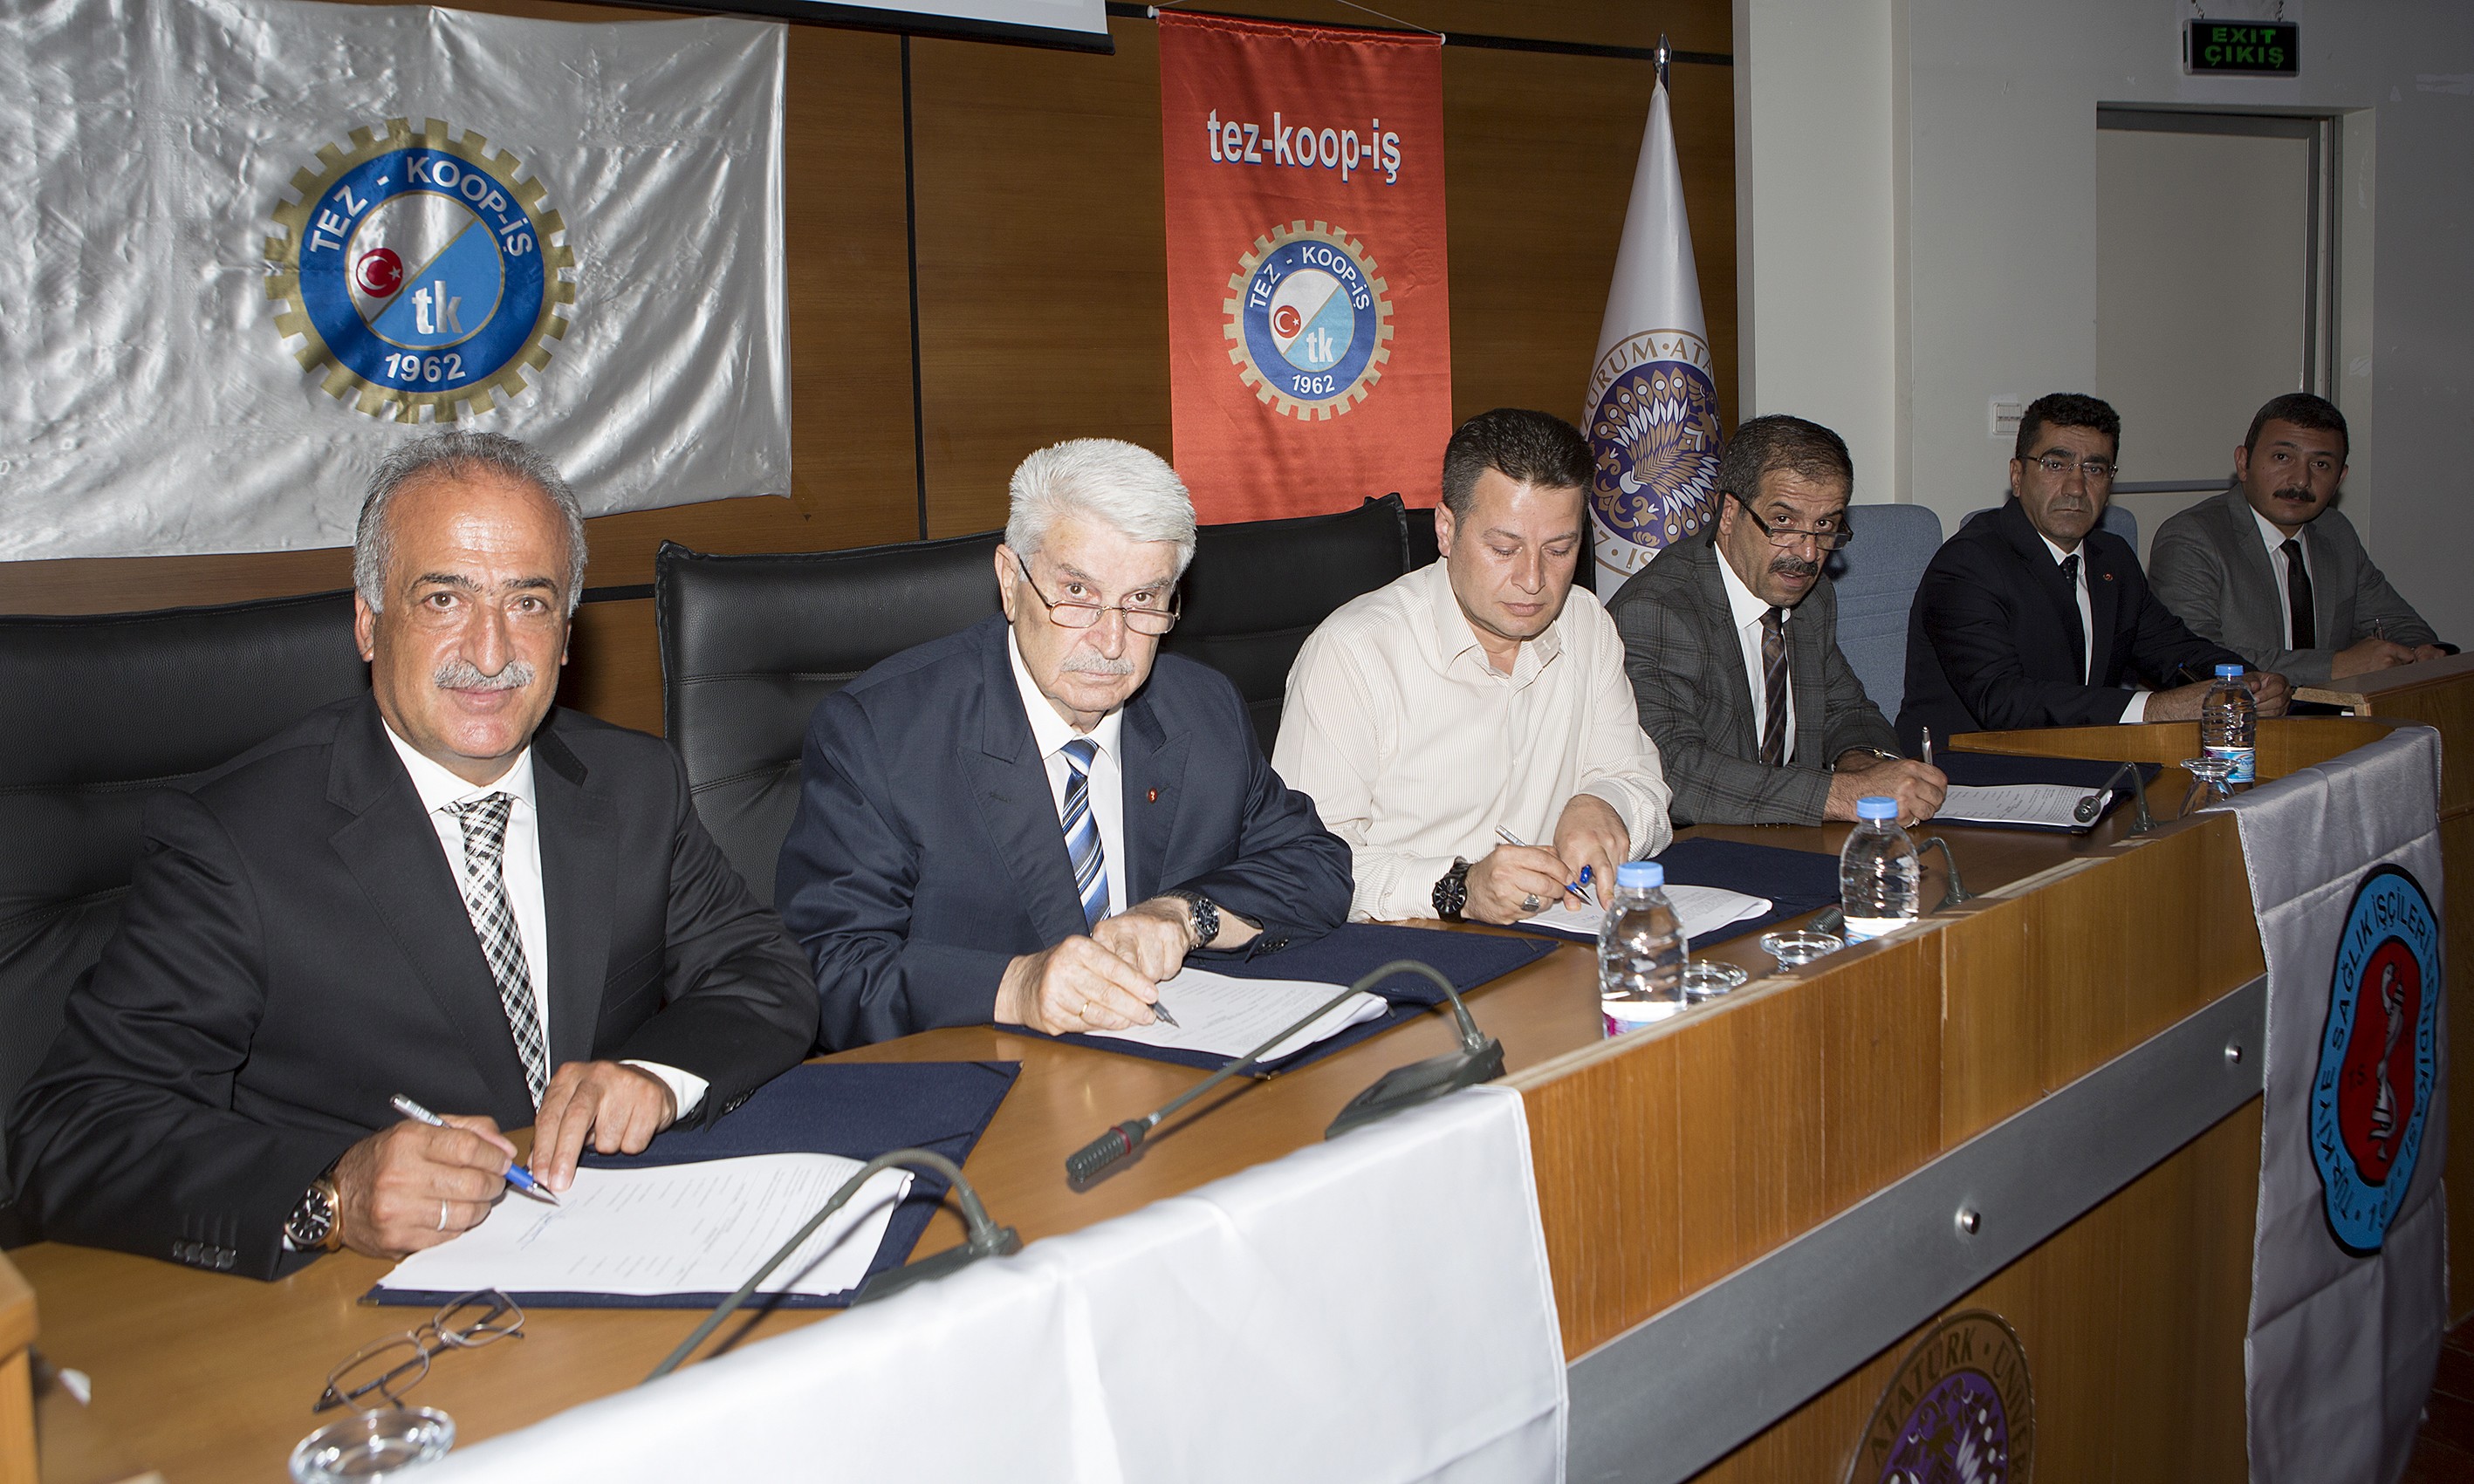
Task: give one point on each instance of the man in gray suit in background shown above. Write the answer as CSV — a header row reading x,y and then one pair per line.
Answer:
x,y
1731,645
2270,571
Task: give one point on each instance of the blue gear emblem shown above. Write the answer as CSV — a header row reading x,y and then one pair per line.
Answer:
x,y
417,271
1308,325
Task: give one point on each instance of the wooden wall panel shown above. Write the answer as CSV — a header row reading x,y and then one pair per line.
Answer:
x,y
1043,295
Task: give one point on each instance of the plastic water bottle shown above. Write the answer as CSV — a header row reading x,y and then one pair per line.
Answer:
x,y
1878,872
2229,724
1641,950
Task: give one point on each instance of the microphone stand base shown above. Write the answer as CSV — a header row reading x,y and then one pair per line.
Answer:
x,y
1405,1087
953,1259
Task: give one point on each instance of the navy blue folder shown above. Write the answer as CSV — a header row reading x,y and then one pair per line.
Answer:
x,y
858,1110
1795,881
1339,957
2002,770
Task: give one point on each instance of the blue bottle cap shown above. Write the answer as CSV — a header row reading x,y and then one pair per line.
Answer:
x,y
1637,873
1877,808
2225,670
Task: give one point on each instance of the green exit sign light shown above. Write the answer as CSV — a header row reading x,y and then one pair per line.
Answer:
x,y
2248,48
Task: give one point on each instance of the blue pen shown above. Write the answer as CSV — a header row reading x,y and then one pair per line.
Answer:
x,y
1577,888
516,1175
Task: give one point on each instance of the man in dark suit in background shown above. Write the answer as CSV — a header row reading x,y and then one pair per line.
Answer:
x,y
1731,644
443,889
2274,573
1034,820
2031,616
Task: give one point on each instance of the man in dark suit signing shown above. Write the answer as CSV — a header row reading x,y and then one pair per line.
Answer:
x,y
1731,644
2031,616
1034,820
445,889
2272,571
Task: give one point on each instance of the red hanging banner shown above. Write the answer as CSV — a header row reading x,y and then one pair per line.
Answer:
x,y
1309,312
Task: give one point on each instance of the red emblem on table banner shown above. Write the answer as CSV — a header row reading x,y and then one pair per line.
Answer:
x,y
1309,314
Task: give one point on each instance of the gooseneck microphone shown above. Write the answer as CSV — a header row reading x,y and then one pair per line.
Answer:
x,y
2090,807
986,1239
1479,1059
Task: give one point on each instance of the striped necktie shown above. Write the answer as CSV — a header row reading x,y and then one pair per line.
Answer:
x,y
1774,687
494,922
1082,831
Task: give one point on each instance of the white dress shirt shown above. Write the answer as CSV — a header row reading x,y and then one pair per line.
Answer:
x,y
2274,540
1746,608
520,867
2137,709
1415,750
1106,783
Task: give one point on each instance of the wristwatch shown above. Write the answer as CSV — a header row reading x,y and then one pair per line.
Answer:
x,y
1451,892
1875,751
312,1226
1202,915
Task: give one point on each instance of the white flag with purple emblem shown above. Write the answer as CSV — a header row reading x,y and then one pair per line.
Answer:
x,y
1652,414
257,243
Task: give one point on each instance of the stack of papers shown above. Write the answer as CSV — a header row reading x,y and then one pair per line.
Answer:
x,y
1705,909
2045,806
1221,1015
671,1229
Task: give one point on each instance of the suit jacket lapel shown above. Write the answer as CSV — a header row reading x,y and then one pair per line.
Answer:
x,y
1735,685
1154,769
579,893
1011,783
391,848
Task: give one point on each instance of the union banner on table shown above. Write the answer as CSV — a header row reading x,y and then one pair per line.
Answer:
x,y
2349,1273
258,243
1308,311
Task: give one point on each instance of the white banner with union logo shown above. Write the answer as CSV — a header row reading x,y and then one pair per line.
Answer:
x,y
2349,1267
253,244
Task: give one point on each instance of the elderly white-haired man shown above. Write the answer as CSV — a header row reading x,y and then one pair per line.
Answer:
x,y
1035,821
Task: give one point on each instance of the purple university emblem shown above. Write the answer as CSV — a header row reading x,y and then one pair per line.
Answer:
x,y
1957,1411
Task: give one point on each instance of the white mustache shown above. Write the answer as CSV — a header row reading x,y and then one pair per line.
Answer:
x,y
1088,663
464,675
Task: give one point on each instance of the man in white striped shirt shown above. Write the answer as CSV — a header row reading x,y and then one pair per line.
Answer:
x,y
1479,702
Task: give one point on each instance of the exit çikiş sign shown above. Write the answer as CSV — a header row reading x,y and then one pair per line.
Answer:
x,y
2251,48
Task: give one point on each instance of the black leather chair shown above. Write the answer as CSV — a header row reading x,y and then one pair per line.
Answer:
x,y
750,644
103,710
1256,589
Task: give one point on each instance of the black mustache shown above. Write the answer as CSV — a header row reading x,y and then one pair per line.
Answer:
x,y
1795,567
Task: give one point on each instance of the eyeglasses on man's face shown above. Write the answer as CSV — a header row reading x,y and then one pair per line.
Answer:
x,y
1150,610
2099,471
1831,533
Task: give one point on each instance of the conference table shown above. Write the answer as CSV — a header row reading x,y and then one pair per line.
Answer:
x,y
1672,1164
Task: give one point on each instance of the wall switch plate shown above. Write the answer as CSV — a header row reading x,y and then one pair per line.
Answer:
x,y
2003,415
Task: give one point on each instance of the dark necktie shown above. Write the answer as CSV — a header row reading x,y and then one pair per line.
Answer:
x,y
2297,596
2078,635
1774,687
1082,831
494,922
